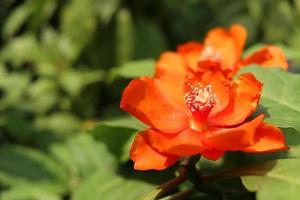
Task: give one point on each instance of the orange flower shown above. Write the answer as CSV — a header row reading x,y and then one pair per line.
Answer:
x,y
226,46
196,111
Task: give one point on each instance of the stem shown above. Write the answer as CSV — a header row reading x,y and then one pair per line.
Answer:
x,y
187,171
166,187
193,174
186,164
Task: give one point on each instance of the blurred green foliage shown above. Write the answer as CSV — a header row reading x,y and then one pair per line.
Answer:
x,y
63,66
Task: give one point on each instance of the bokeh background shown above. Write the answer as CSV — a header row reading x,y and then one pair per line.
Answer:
x,y
63,66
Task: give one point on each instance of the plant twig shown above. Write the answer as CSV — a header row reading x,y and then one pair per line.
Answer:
x,y
166,187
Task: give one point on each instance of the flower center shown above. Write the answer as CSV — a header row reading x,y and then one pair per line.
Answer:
x,y
200,100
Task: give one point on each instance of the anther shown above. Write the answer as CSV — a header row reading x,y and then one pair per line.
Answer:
x,y
200,99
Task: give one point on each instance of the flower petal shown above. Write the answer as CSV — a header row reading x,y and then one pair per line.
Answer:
x,y
170,74
212,154
244,100
229,43
185,143
146,158
271,140
210,73
190,51
239,34
169,64
236,138
144,99
270,56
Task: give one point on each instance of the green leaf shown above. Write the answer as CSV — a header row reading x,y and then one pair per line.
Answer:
x,y
292,138
24,166
82,155
22,49
28,193
289,52
62,123
17,18
43,10
74,13
73,81
117,139
60,50
125,122
118,134
43,95
151,195
105,9
133,69
125,36
276,180
16,126
280,96
14,86
110,186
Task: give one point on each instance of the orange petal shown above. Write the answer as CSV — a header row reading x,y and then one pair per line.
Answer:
x,y
271,140
233,138
185,143
228,43
190,51
269,56
239,34
210,73
212,154
146,158
143,99
170,74
169,64
244,100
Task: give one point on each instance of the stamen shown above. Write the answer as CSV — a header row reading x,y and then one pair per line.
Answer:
x,y
200,100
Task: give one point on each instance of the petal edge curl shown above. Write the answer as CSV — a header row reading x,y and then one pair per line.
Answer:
x,y
185,143
244,99
235,138
271,139
144,100
146,158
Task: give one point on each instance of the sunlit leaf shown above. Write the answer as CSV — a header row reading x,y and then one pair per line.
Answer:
x,y
14,87
43,95
61,123
22,49
277,179
125,122
151,195
133,69
106,9
17,18
110,187
280,96
74,14
73,81
82,155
